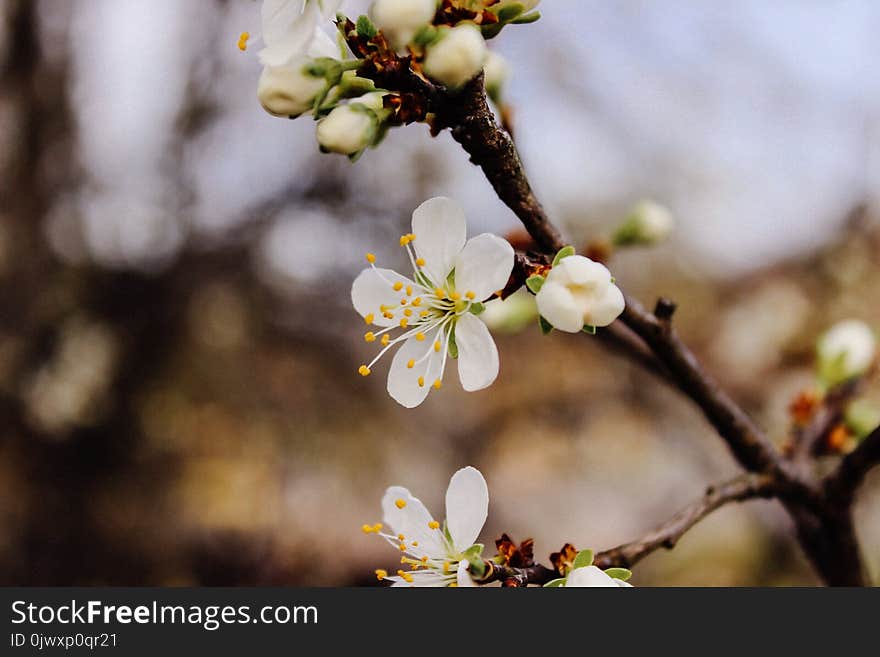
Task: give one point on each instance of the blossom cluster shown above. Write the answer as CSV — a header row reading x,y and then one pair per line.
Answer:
x,y
309,66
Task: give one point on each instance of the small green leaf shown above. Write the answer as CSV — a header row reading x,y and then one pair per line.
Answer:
x,y
474,550
554,583
365,27
583,559
591,330
426,36
535,283
546,327
619,573
564,252
528,18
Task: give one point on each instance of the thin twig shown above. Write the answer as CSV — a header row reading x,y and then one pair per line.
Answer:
x,y
842,484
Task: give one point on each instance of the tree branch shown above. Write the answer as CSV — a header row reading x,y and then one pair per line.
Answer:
x,y
842,484
807,441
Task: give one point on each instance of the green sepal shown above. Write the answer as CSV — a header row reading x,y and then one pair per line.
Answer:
x,y
555,583
546,327
473,556
564,252
583,559
478,308
535,283
528,18
510,12
590,330
453,347
619,573
426,36
365,27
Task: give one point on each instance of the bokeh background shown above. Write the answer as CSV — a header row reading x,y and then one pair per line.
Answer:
x,y
179,402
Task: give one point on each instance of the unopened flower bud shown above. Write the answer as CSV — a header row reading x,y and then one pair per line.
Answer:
x,y
648,223
400,20
288,90
497,72
457,57
579,292
351,128
845,351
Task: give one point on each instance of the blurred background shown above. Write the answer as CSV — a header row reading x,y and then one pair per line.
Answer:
x,y
179,398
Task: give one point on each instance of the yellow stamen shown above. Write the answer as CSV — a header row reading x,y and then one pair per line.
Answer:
x,y
408,312
420,337
388,315
371,258
407,578
401,537
453,585
363,370
415,544
425,559
471,296
402,547
417,302
437,346
369,319
420,262
386,339
400,504
446,567
243,39
381,574
433,525
403,302
437,384
455,296
404,240
439,293
411,364
421,382
424,313
404,322
409,290
377,527
370,337
411,237
367,529
398,286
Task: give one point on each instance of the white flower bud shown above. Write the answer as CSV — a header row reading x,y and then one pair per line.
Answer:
x,y
845,351
579,292
457,57
400,20
288,90
648,223
349,129
497,72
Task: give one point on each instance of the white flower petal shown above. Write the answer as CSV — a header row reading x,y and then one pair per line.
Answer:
x,y
412,521
440,227
467,505
581,271
622,584
372,289
403,381
483,266
477,354
288,31
606,308
463,577
589,576
557,305
323,45
420,579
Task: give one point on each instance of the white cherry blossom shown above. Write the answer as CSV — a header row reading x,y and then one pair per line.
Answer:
x,y
434,551
579,292
592,576
434,313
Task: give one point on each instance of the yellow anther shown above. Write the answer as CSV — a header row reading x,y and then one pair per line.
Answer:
x,y
404,240
439,293
404,322
415,544
417,302
437,346
403,302
420,262
400,503
455,296
411,364
453,585
425,559
367,529
386,339
402,547
408,312
424,313
433,525
243,39
401,537
471,295
371,258
411,237
437,384
377,527
407,578
421,382
446,567
381,574
363,370
409,290
388,315
369,319
370,337
401,572
398,286
420,337
383,308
